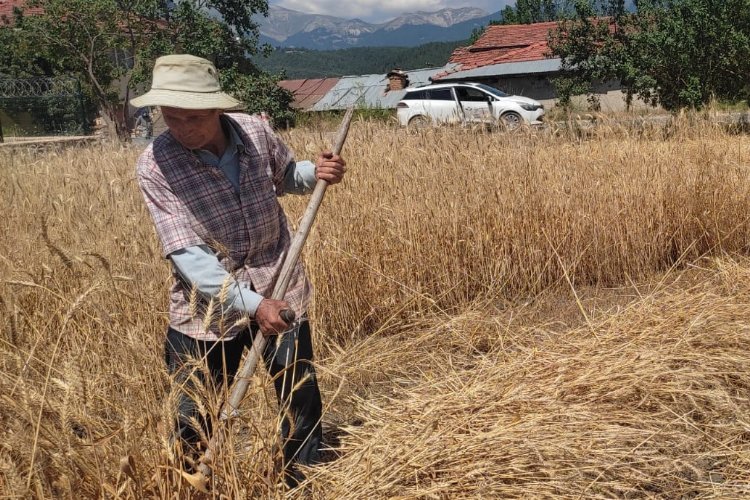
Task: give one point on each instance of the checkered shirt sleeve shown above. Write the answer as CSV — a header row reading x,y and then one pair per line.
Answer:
x,y
168,212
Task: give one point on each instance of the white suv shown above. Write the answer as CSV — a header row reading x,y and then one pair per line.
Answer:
x,y
466,103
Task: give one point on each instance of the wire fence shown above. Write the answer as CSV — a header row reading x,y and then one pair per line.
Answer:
x,y
37,107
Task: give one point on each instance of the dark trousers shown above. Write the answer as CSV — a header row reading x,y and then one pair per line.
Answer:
x,y
288,359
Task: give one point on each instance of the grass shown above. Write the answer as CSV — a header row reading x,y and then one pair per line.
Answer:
x,y
557,313
330,119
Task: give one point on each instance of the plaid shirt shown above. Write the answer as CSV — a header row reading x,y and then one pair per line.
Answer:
x,y
193,203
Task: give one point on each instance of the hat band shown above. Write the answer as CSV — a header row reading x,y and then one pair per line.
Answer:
x,y
217,91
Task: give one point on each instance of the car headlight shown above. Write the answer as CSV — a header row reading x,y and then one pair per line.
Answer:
x,y
531,107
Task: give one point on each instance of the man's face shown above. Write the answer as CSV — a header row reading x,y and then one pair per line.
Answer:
x,y
193,128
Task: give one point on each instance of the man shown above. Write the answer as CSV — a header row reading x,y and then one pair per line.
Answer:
x,y
211,183
143,123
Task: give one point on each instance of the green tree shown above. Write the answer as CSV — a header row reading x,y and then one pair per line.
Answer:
x,y
21,56
82,45
308,63
674,53
63,106
260,93
477,33
539,11
589,50
112,44
684,53
224,32
532,11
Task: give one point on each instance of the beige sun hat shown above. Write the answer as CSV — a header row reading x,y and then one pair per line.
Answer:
x,y
187,82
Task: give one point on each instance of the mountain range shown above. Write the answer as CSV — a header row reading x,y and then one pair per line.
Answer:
x,y
290,28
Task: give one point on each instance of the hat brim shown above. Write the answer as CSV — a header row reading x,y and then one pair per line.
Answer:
x,y
186,100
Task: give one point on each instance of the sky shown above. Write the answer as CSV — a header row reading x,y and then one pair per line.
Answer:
x,y
376,11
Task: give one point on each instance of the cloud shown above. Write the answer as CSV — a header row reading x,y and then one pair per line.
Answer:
x,y
380,10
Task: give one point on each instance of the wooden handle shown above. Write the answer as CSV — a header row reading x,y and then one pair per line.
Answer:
x,y
242,379
288,316
287,269
295,248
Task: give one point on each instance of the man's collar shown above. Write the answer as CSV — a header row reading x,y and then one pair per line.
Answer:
x,y
234,142
234,137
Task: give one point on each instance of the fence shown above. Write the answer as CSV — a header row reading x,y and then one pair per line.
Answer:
x,y
34,107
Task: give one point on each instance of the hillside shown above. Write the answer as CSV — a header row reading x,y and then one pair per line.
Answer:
x,y
304,63
290,28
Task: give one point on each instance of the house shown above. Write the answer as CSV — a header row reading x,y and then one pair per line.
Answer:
x,y
381,91
516,59
307,92
373,91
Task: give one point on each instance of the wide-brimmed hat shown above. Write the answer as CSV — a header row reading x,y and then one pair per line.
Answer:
x,y
188,82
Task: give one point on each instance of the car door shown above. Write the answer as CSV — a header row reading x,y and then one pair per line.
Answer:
x,y
475,104
442,105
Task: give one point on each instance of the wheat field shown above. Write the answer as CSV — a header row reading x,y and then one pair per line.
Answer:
x,y
551,313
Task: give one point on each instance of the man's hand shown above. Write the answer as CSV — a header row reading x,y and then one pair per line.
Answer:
x,y
330,167
268,318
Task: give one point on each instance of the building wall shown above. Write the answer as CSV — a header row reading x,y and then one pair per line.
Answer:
x,y
537,87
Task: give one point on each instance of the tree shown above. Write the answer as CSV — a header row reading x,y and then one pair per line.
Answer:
x,y
222,31
61,105
79,37
261,93
540,11
589,51
21,57
532,11
686,53
308,63
111,43
674,53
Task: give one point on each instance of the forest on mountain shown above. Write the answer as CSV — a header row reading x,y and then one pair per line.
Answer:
x,y
304,63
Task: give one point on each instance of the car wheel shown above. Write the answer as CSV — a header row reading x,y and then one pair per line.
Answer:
x,y
419,121
511,120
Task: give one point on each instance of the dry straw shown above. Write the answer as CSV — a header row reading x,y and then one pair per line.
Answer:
x,y
558,313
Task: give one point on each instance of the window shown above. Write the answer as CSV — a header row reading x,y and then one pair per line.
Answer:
x,y
493,90
416,94
441,95
471,94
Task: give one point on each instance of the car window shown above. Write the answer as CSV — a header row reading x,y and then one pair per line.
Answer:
x,y
441,95
493,90
471,94
416,94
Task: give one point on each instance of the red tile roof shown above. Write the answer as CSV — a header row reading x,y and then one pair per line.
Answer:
x,y
514,35
7,6
307,92
504,44
532,52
